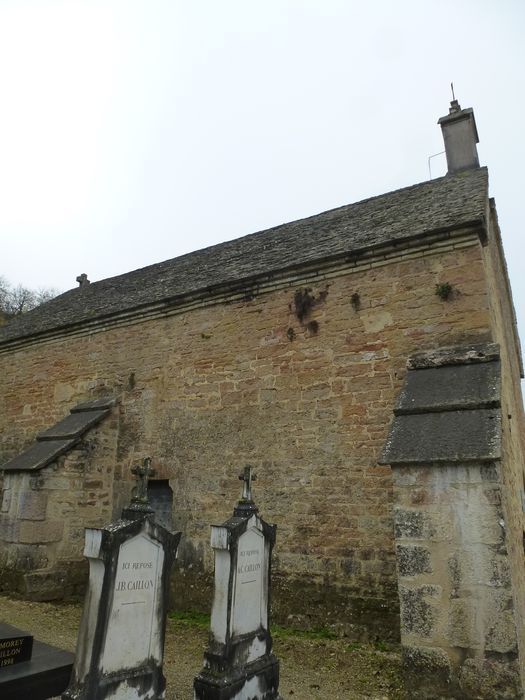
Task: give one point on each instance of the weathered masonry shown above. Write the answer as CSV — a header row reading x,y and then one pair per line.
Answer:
x,y
288,350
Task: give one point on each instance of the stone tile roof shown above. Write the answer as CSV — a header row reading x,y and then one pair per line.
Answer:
x,y
59,439
439,205
449,408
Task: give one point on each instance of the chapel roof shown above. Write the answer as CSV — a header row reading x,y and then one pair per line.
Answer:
x,y
444,204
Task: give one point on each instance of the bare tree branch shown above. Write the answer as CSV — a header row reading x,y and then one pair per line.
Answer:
x,y
17,300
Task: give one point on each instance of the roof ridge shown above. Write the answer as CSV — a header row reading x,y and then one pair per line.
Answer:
x,y
302,219
394,218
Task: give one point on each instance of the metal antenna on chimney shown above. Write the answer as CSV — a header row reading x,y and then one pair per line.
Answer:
x,y
452,88
428,161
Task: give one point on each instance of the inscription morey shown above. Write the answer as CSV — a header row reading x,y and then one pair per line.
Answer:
x,y
15,646
15,650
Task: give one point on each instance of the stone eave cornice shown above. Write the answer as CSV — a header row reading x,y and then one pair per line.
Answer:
x,y
468,233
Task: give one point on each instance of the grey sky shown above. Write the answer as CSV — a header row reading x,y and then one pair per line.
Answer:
x,y
135,131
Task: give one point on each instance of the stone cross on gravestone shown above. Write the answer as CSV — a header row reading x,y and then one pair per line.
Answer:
x,y
139,495
143,473
247,477
246,506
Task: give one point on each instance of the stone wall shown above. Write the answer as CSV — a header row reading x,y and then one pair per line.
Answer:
x,y
44,514
459,525
513,421
298,383
457,610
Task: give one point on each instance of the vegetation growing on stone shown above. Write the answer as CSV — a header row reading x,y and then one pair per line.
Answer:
x,y
444,290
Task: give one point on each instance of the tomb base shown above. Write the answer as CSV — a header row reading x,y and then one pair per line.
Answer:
x,y
259,679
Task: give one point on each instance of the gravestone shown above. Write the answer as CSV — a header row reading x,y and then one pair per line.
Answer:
x,y
31,669
121,639
15,646
238,663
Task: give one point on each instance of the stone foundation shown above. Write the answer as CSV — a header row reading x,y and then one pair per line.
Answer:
x,y
458,614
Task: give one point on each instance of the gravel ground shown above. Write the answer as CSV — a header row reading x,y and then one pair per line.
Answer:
x,y
311,669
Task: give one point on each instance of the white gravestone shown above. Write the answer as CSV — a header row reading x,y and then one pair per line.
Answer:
x,y
121,639
135,600
238,664
250,604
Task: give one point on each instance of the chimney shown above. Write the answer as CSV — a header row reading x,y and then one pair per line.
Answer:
x,y
460,136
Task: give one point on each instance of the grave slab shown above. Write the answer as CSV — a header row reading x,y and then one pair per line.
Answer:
x,y
45,675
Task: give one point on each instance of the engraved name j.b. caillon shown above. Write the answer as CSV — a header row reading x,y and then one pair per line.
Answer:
x,y
138,584
245,567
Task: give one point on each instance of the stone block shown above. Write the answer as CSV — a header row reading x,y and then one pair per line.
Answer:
x,y
500,629
412,524
501,636
405,476
6,500
44,585
490,473
57,483
32,505
477,565
37,482
38,455
427,672
36,532
448,436
413,560
417,614
500,572
466,354
463,628
375,321
481,524
29,557
9,529
490,679
74,425
451,387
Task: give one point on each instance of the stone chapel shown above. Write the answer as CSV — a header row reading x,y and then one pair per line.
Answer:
x,y
364,361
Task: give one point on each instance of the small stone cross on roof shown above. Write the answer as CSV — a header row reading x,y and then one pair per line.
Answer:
x,y
143,472
82,280
247,477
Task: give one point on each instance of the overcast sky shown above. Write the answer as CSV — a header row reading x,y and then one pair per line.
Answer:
x,y
137,130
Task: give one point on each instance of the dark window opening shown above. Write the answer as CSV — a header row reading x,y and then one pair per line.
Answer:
x,y
160,496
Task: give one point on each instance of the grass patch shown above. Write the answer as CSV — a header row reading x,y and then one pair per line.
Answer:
x,y
199,620
386,646
279,632
191,618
